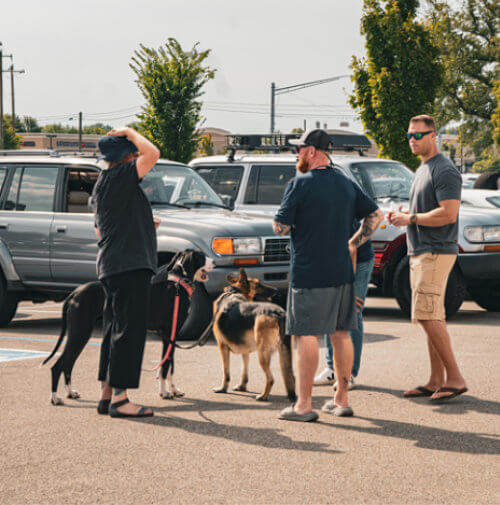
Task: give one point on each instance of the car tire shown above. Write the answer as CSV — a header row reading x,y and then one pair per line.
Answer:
x,y
199,315
487,296
455,290
8,304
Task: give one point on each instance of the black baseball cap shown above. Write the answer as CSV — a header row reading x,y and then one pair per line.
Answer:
x,y
114,148
316,138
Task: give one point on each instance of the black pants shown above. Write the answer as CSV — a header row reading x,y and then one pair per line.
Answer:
x,y
124,328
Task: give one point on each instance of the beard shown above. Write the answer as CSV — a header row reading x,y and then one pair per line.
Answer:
x,y
302,165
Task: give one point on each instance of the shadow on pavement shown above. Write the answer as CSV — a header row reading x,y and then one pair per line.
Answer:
x,y
373,338
460,405
430,438
264,437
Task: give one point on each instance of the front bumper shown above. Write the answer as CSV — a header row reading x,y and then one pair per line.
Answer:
x,y
275,275
480,266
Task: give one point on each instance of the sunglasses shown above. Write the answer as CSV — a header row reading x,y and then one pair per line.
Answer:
x,y
418,135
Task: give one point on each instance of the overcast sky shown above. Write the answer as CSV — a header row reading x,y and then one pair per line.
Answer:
x,y
76,57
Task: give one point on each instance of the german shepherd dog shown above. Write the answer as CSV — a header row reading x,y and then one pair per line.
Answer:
x,y
244,323
85,305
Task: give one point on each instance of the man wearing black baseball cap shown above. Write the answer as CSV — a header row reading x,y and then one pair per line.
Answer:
x,y
318,209
125,262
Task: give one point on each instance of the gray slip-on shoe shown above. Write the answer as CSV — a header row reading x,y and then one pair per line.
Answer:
x,y
331,408
289,414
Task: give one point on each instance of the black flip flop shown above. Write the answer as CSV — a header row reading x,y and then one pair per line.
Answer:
x,y
103,407
454,393
114,412
423,391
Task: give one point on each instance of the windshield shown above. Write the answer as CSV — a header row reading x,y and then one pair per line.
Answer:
x,y
176,185
383,180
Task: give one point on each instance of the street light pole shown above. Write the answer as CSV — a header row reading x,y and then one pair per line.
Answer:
x,y
2,56
288,89
12,71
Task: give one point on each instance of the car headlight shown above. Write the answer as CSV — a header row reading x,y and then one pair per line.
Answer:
x,y
237,245
482,233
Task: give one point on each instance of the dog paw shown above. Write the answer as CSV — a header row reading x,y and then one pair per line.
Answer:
x,y
220,390
178,393
73,394
241,387
167,395
261,398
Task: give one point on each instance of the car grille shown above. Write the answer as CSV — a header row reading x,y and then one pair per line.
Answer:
x,y
277,249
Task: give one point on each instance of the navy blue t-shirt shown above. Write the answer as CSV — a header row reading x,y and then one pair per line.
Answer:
x,y
321,207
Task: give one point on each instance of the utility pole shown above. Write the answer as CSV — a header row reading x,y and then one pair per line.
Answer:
x,y
79,131
2,56
12,71
288,89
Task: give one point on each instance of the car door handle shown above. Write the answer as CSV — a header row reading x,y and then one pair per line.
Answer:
x,y
4,226
61,229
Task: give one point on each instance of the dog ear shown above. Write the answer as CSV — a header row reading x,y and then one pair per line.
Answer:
x,y
243,279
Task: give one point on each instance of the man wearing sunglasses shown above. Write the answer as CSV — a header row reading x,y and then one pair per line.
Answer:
x,y
432,232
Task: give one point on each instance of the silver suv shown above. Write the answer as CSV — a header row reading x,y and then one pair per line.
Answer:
x,y
255,183
48,245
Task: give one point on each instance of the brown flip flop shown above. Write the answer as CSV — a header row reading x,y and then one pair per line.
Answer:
x,y
454,393
422,391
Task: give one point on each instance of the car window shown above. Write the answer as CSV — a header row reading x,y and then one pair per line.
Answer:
x,y
383,180
267,183
32,189
224,180
3,176
494,200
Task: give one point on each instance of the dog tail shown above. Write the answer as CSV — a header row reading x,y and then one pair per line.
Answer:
x,y
63,330
285,353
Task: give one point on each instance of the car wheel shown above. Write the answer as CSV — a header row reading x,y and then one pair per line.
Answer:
x,y
487,296
8,304
455,290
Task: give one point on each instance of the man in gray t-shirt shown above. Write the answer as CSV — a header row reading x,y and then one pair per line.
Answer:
x,y
432,232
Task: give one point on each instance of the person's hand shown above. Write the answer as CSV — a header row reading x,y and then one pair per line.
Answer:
x,y
156,221
359,303
119,132
391,213
353,251
400,219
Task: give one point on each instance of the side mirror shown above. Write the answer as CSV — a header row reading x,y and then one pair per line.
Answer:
x,y
228,201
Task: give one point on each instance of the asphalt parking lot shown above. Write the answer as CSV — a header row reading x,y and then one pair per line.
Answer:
x,y
212,448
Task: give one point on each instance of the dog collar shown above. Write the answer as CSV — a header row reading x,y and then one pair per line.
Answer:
x,y
189,290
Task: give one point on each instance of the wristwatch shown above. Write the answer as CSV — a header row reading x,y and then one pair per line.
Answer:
x,y
413,219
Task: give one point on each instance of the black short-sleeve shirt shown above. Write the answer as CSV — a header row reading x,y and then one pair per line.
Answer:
x,y
124,219
321,207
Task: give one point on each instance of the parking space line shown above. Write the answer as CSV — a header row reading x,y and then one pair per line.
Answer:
x,y
38,339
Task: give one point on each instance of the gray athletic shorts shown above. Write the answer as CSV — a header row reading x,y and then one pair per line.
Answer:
x,y
316,311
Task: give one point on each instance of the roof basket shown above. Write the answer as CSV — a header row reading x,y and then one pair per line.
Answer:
x,y
278,142
49,152
272,142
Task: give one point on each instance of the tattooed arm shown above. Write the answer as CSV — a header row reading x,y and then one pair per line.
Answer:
x,y
280,228
367,229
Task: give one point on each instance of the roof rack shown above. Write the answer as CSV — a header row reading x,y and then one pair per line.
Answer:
x,y
49,152
278,142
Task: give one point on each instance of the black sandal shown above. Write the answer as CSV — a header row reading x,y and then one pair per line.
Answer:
x,y
103,407
114,412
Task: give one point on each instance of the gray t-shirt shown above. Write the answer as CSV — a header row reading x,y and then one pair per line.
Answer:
x,y
435,180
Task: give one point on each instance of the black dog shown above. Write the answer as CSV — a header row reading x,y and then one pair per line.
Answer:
x,y
85,304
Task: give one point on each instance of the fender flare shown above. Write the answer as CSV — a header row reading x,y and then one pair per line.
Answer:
x,y
7,265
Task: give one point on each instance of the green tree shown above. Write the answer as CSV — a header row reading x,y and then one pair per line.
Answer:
x,y
206,147
10,139
398,77
58,128
467,37
28,124
171,81
97,129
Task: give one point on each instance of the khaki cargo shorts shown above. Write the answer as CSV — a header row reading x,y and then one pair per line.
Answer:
x,y
429,274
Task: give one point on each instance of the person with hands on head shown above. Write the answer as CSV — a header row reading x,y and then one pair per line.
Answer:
x,y
432,233
318,209
126,260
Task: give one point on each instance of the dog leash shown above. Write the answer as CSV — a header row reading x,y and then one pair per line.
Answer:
x,y
173,333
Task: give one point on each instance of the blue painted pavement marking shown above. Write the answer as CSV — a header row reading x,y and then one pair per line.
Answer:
x,y
15,354
39,339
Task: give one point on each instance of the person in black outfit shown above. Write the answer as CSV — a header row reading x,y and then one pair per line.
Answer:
x,y
126,260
